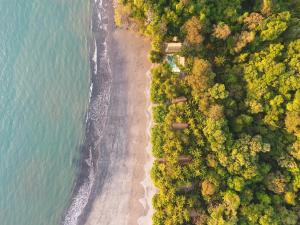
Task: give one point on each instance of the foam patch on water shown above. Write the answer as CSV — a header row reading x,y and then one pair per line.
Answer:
x,y
95,58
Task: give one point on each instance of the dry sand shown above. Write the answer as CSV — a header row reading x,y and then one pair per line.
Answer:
x,y
123,146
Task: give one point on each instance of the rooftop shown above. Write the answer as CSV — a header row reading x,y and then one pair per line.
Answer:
x,y
173,47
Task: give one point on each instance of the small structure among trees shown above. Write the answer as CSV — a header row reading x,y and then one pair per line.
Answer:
x,y
182,160
185,188
172,50
179,126
161,160
173,47
179,99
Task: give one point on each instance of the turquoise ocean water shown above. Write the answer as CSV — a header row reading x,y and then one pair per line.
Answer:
x,y
44,94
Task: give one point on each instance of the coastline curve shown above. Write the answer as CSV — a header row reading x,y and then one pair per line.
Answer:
x,y
96,117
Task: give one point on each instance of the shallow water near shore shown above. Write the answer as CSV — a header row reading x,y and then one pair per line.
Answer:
x,y
44,94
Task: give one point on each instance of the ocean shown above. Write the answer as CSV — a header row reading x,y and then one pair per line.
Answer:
x,y
44,100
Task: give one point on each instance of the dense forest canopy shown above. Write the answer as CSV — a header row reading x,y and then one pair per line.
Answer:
x,y
230,153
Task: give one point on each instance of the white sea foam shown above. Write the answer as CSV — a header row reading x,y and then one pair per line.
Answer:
x,y
95,58
98,114
90,97
91,91
81,199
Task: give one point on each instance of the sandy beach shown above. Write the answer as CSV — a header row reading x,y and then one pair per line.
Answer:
x,y
123,146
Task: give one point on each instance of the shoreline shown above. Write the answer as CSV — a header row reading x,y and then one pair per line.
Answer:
x,y
83,192
110,183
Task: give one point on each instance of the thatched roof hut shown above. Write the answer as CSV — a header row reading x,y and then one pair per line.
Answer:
x,y
186,188
184,159
161,160
179,99
179,126
173,47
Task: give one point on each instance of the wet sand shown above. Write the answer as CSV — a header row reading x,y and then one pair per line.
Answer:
x,y
123,153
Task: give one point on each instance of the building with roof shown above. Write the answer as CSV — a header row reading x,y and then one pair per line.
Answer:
x,y
175,61
172,49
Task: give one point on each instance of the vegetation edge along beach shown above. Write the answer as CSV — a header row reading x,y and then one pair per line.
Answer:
x,y
226,94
